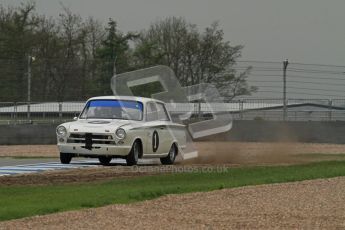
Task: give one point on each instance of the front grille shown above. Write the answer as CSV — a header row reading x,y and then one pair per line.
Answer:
x,y
105,139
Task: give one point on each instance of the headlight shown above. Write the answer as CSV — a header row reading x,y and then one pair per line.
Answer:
x,y
61,131
120,133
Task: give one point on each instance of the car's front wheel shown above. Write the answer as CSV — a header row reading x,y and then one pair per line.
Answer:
x,y
170,159
104,160
65,158
133,156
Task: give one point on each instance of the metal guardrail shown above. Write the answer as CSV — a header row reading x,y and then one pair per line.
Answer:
x,y
38,112
245,109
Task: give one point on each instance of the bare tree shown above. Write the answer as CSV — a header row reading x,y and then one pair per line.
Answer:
x,y
195,57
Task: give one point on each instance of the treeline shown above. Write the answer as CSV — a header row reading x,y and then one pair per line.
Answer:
x,y
75,58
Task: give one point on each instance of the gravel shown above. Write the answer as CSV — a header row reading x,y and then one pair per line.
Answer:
x,y
314,204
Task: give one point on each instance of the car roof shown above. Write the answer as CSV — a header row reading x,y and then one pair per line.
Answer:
x,y
130,98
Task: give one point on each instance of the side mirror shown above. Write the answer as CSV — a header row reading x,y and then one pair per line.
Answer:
x,y
75,118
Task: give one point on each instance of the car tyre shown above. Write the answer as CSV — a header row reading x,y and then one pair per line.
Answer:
x,y
104,160
170,159
65,158
133,156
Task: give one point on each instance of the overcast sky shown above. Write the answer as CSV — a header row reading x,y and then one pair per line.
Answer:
x,y
304,31
311,31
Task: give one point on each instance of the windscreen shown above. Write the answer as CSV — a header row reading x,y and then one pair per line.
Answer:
x,y
113,109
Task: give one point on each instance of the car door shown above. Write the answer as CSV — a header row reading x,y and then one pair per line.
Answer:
x,y
159,138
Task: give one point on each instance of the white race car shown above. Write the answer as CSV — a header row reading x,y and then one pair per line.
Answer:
x,y
121,127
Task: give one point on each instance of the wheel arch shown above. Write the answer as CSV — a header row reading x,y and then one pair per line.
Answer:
x,y
176,147
138,139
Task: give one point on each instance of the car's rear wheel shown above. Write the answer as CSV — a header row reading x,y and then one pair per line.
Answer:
x,y
104,160
65,158
170,159
133,156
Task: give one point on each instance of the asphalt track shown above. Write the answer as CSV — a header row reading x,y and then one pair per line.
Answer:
x,y
13,166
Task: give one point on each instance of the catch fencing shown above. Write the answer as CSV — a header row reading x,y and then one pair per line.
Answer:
x,y
244,109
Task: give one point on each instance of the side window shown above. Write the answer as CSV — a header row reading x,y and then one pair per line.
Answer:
x,y
151,112
162,112
156,112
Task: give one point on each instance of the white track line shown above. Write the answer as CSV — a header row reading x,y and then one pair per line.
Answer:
x,y
47,166
50,166
5,174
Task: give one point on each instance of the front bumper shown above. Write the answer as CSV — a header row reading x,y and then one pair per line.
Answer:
x,y
97,150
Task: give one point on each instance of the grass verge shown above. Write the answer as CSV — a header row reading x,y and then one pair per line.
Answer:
x,y
322,155
23,201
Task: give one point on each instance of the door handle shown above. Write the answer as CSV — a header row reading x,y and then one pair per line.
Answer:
x,y
161,127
